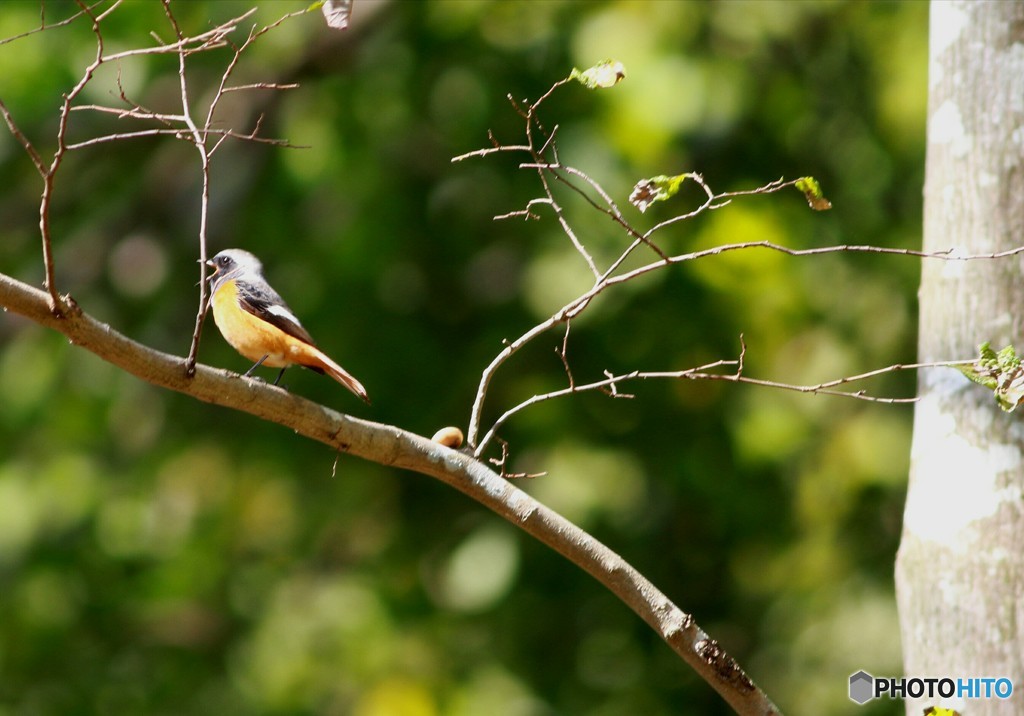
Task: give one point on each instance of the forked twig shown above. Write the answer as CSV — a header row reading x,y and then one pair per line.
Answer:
x,y
502,464
563,354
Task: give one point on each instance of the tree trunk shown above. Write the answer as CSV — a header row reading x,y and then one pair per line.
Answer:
x,y
960,568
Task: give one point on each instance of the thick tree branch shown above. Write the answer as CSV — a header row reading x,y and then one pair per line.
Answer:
x,y
392,446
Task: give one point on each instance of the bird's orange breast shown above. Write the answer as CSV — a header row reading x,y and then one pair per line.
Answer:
x,y
252,336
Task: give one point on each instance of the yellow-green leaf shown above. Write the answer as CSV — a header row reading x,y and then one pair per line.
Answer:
x,y
1001,372
603,75
812,192
659,188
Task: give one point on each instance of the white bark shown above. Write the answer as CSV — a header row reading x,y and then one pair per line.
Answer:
x,y
960,568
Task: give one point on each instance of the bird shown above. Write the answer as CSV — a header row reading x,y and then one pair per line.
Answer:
x,y
257,322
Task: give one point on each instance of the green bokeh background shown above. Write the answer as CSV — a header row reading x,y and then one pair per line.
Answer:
x,y
163,556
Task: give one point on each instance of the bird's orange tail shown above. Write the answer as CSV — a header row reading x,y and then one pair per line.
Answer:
x,y
338,373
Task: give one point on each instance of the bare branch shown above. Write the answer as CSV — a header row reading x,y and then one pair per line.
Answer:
x,y
567,228
61,23
133,111
563,355
261,86
717,201
502,464
543,98
58,156
199,141
529,114
610,384
491,150
522,213
611,209
180,134
946,255
209,40
184,46
37,160
826,388
476,413
610,277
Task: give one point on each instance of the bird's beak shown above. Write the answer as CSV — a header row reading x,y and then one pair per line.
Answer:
x,y
213,276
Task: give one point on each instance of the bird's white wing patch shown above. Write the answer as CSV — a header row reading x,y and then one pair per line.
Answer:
x,y
282,312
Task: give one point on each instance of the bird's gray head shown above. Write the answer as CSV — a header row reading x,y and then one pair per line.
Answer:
x,y
230,261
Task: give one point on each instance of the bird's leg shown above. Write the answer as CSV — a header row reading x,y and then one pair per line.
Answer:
x,y
257,365
278,379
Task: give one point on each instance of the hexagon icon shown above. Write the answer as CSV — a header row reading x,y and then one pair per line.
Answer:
x,y
861,687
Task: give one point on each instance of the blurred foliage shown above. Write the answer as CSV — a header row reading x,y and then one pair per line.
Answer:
x,y
159,555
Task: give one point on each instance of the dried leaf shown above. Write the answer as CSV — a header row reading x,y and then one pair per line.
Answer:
x,y
337,13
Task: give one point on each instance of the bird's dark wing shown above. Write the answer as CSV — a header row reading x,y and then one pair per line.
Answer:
x,y
263,302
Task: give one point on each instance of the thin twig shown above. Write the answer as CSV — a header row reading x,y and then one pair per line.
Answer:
x,y
58,156
487,151
562,221
476,412
530,116
521,213
37,160
563,354
502,464
261,86
206,153
199,141
611,210
945,255
209,40
61,23
133,111
717,201
610,383
826,388
179,133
